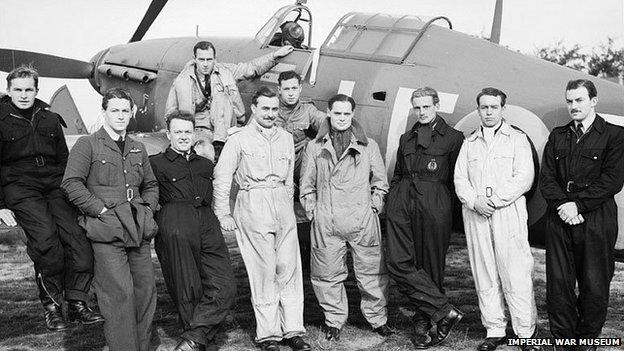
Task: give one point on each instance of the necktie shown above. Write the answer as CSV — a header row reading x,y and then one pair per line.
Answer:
x,y
579,129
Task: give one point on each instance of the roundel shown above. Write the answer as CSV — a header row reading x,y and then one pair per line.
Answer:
x,y
537,133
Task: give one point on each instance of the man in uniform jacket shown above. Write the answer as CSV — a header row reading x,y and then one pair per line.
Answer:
x,y
299,118
260,158
343,184
582,170
419,217
33,155
109,178
207,89
193,256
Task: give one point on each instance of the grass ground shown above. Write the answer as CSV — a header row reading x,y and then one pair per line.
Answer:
x,y
22,327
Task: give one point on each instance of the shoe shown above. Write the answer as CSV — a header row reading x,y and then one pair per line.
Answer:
x,y
296,343
54,317
332,334
78,311
490,344
188,345
269,345
445,325
384,330
421,337
531,347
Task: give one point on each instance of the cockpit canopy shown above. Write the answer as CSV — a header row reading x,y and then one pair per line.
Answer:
x,y
377,37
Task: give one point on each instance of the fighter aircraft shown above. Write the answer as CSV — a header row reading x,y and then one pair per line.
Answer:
x,y
378,59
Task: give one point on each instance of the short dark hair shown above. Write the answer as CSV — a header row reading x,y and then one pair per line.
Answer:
x,y
588,84
426,91
23,71
343,98
286,75
204,45
176,114
262,91
492,92
116,93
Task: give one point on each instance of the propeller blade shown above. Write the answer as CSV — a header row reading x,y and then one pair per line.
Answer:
x,y
47,65
496,22
150,15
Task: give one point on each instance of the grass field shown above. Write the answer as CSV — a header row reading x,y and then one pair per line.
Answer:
x,y
22,326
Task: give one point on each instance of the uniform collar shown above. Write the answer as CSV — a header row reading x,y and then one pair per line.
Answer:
x,y
171,154
7,108
598,124
440,127
504,129
359,135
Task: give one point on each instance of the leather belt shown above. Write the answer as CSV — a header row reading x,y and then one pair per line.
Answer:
x,y
575,187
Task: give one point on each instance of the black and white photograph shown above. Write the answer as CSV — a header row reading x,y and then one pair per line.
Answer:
x,y
202,175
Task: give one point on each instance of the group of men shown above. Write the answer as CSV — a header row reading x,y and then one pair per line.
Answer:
x,y
92,212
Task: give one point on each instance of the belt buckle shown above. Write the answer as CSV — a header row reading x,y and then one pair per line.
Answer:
x,y
129,194
488,191
40,161
568,185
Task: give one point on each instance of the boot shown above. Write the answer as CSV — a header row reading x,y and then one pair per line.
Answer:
x,y
54,317
78,311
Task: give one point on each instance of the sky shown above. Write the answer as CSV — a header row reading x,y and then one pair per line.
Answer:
x,y
78,29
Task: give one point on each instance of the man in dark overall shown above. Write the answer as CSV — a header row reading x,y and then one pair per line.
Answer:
x,y
419,218
582,170
33,155
109,178
194,258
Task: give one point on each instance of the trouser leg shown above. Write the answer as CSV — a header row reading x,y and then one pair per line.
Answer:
x,y
144,289
258,253
599,234
481,252
78,251
289,275
218,287
432,229
515,265
43,244
115,292
560,277
178,246
328,271
372,276
412,280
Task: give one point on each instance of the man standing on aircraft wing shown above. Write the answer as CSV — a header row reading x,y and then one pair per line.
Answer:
x,y
261,159
207,89
33,155
297,116
110,179
493,171
194,258
343,184
582,170
419,217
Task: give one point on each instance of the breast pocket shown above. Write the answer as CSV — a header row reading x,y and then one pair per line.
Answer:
x,y
105,169
256,162
135,173
433,161
503,163
591,162
281,164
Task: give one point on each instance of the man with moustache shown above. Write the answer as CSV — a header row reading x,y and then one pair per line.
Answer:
x,y
207,89
109,178
419,218
494,170
193,256
343,184
33,155
260,158
299,118
582,170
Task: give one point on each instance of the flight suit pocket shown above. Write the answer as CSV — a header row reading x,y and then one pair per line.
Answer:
x,y
282,161
105,169
503,163
14,135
